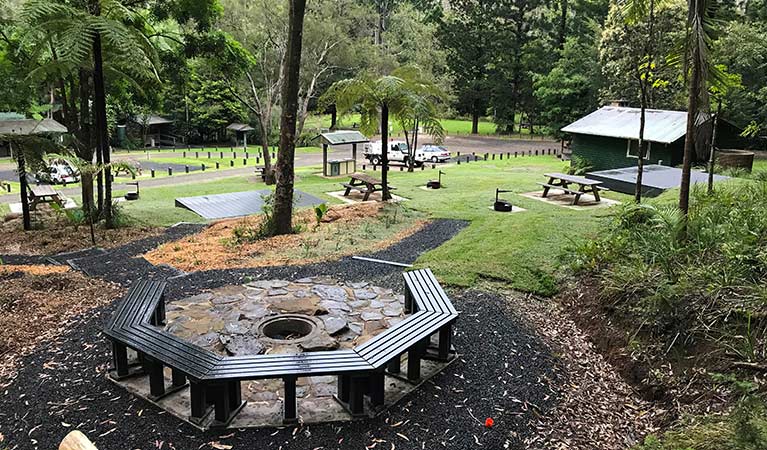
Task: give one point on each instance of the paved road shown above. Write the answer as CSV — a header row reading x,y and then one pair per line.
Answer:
x,y
463,144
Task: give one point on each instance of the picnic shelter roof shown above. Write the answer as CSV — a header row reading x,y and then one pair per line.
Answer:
x,y
661,126
343,137
31,126
241,127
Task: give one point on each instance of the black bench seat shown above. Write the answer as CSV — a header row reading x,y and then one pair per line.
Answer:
x,y
214,380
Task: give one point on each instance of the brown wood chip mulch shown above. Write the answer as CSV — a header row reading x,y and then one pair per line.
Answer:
x,y
39,303
597,409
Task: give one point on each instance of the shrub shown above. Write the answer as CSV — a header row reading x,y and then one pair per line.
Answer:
x,y
709,286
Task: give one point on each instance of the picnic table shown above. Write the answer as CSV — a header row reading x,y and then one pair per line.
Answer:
x,y
43,193
563,181
364,184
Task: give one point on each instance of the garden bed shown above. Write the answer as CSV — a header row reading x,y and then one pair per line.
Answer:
x,y
59,236
40,303
344,230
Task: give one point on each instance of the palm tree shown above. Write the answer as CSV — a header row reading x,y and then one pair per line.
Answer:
x,y
700,35
98,38
283,195
378,98
419,111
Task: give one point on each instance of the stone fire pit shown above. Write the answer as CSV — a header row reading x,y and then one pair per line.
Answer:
x,y
277,316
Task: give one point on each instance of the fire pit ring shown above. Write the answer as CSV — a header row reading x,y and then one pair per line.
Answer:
x,y
288,328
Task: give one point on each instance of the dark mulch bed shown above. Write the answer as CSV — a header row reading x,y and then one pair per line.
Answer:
x,y
504,372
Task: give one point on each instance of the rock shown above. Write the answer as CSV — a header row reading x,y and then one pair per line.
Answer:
x,y
277,284
206,340
302,293
364,294
199,298
226,299
359,285
333,305
306,306
376,304
260,284
393,321
276,291
334,293
371,315
355,328
374,326
307,280
320,343
359,304
393,310
334,324
237,327
325,390
253,312
245,345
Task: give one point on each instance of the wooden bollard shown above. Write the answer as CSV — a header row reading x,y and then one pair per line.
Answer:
x,y
244,161
196,155
247,155
486,155
218,166
458,155
458,161
363,167
500,156
493,157
234,155
401,168
186,169
536,153
202,167
208,155
75,440
152,173
184,154
231,163
170,171
220,155
515,154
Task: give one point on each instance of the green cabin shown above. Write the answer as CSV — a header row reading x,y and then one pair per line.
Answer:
x,y
608,138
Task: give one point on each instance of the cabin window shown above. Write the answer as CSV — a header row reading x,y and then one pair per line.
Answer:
x,y
633,149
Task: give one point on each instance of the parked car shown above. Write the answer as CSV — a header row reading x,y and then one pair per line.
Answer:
x,y
58,172
398,152
433,153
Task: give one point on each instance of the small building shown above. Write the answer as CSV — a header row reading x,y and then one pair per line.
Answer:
x,y
609,137
155,131
240,131
27,127
5,150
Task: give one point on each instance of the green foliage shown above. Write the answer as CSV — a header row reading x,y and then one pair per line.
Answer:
x,y
319,212
245,232
708,286
578,166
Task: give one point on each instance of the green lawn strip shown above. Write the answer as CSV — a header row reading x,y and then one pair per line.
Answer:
x,y
522,249
4,209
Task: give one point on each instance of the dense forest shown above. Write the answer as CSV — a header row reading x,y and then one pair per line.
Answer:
x,y
208,63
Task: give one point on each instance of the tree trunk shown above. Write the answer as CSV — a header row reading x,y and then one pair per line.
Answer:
x,y
385,195
475,121
563,24
712,150
23,191
412,150
640,150
268,169
333,117
102,135
696,82
283,195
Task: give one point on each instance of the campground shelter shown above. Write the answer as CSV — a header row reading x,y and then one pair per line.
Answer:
x,y
155,130
26,127
608,138
240,132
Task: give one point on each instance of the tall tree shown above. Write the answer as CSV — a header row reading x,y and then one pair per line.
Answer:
x,y
377,99
701,26
283,195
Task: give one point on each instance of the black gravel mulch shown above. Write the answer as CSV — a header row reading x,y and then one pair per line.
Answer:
x,y
504,372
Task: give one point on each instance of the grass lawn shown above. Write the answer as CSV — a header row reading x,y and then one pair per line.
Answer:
x,y
521,249
4,209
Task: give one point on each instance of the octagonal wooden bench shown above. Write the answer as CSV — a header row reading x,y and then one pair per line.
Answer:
x,y
214,380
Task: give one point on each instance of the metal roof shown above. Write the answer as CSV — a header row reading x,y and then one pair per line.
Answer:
x,y
343,137
240,127
237,204
9,115
621,122
31,126
151,119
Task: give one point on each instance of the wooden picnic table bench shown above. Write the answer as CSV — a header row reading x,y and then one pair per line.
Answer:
x,y
563,181
43,193
214,381
365,184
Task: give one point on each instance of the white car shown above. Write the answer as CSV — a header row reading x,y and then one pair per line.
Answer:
x,y
58,172
398,152
433,153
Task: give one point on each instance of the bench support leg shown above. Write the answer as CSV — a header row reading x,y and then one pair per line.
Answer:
x,y
291,403
197,393
377,388
179,379
414,356
445,342
120,359
344,383
409,302
394,365
156,378
357,389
